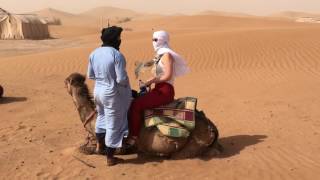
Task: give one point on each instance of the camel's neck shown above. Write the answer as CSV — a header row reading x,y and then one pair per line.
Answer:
x,y
83,106
85,112
87,115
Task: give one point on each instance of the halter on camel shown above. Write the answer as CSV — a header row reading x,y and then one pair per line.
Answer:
x,y
89,118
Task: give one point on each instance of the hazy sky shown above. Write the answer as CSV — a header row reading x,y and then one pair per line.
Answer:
x,y
259,7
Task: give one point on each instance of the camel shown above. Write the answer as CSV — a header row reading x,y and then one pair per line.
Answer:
x,y
152,141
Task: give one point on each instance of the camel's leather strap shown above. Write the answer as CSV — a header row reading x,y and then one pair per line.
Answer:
x,y
89,118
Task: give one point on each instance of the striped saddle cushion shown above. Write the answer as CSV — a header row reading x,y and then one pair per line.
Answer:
x,y
176,119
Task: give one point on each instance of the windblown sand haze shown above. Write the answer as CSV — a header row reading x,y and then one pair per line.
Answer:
x,y
256,78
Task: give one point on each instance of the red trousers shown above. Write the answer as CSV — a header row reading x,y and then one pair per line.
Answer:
x,y
162,94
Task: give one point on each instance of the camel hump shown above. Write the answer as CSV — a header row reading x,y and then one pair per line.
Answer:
x,y
176,119
153,142
202,137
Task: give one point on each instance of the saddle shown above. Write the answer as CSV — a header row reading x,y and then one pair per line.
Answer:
x,y
176,119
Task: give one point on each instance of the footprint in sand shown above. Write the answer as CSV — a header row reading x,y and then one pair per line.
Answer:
x,y
69,151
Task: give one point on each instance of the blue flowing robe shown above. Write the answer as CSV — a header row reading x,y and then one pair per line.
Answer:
x,y
112,93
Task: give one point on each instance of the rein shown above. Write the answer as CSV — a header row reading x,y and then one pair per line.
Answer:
x,y
140,65
89,118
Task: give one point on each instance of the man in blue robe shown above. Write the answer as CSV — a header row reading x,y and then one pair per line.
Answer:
x,y
112,92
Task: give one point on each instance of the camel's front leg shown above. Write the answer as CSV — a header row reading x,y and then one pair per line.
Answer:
x,y
90,145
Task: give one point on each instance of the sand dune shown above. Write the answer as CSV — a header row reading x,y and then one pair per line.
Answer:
x,y
110,12
257,79
222,13
95,18
67,19
50,12
294,14
117,14
209,22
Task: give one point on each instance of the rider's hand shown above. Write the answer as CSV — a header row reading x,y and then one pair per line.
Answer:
x,y
141,84
150,81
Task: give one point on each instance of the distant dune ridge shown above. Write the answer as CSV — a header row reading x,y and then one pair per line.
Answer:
x,y
50,12
96,15
257,78
294,14
222,13
110,12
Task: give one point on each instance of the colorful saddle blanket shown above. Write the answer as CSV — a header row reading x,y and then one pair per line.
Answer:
x,y
176,119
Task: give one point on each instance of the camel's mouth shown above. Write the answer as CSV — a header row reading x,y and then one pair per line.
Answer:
x,y
67,85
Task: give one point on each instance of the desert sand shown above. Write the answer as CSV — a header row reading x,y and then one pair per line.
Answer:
x,y
257,79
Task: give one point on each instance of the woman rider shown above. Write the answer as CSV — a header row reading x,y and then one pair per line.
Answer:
x,y
168,66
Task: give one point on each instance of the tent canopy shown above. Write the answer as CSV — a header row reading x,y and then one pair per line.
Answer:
x,y
13,26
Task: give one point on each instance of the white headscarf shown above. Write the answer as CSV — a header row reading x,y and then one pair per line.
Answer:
x,y
161,46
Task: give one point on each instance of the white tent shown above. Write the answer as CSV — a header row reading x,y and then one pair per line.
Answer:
x,y
22,26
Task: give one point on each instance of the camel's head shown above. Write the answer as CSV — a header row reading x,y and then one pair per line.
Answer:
x,y
74,80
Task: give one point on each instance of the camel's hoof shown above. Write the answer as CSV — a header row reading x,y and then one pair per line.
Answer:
x,y
87,150
126,150
101,152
